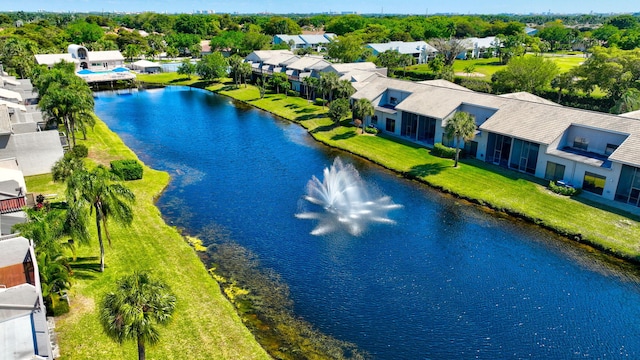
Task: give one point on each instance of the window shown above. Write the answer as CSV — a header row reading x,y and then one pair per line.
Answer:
x,y
524,156
393,100
610,149
581,143
554,171
391,125
471,148
374,120
593,183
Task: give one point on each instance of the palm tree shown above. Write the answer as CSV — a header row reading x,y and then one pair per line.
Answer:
x,y
628,101
135,308
461,127
65,98
235,62
65,167
344,89
245,71
363,108
309,84
99,191
55,275
328,83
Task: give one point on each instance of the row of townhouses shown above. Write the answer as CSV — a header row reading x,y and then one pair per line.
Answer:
x,y
26,147
268,62
597,152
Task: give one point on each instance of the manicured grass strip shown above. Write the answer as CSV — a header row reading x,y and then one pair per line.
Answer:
x,y
205,325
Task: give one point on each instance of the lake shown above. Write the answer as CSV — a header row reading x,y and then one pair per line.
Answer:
x,y
447,280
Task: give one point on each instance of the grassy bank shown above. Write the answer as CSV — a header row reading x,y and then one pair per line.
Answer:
x,y
205,325
606,228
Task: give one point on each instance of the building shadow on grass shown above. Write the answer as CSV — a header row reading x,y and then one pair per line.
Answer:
x,y
632,213
179,80
322,128
344,136
85,267
306,117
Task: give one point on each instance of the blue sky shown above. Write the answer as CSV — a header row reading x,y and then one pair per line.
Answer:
x,y
318,6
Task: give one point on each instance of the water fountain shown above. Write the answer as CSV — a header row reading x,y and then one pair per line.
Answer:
x,y
346,202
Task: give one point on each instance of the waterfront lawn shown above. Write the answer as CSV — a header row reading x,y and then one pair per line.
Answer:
x,y
500,189
169,78
289,107
204,326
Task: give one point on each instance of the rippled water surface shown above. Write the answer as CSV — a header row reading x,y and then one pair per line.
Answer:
x,y
447,281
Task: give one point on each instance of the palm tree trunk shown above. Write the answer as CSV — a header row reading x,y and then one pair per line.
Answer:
x,y
72,128
66,127
141,353
99,228
457,152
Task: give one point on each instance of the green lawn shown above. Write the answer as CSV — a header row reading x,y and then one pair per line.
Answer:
x,y
488,67
205,325
565,63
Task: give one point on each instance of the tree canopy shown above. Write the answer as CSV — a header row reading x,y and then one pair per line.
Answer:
x,y
212,66
525,73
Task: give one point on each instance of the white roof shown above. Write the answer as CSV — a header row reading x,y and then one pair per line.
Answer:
x,y
309,62
8,94
286,38
523,95
413,47
111,55
632,114
262,55
5,120
10,81
342,68
145,64
36,152
444,83
13,251
52,59
13,105
475,42
9,170
316,39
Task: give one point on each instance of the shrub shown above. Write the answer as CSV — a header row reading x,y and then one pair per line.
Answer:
x,y
80,151
371,130
563,190
442,151
127,169
475,85
320,102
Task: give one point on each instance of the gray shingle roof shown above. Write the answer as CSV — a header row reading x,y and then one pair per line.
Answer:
x,y
534,121
309,63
